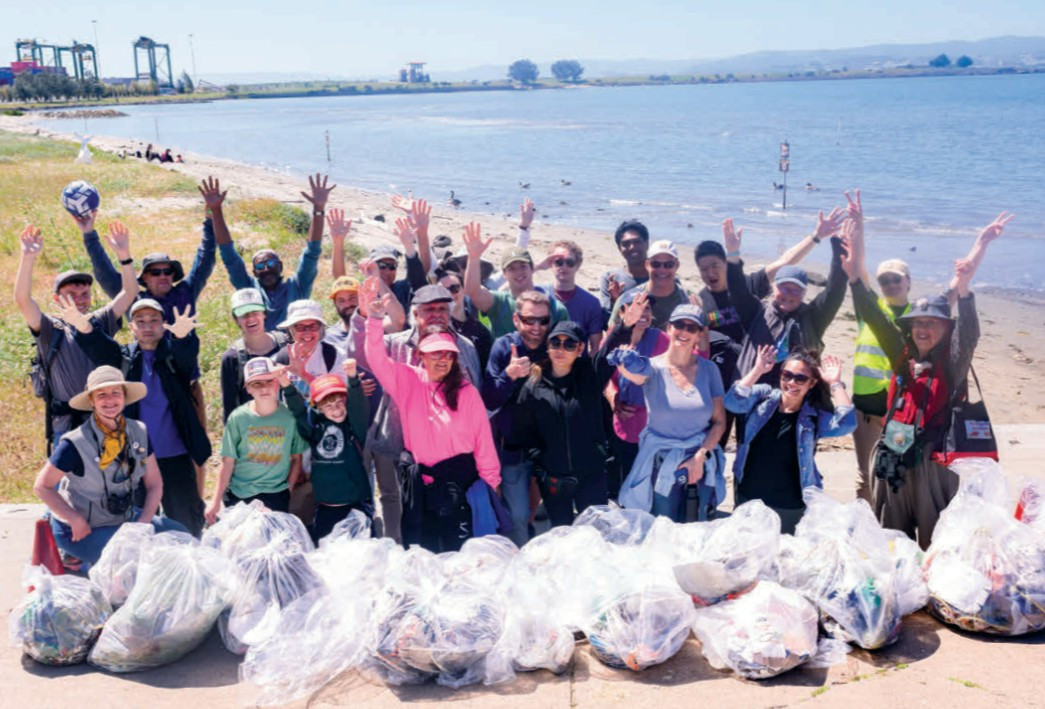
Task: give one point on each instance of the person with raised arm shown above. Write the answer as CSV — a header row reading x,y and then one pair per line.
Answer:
x,y
267,266
775,458
61,367
464,321
447,443
679,448
931,356
581,306
663,287
787,322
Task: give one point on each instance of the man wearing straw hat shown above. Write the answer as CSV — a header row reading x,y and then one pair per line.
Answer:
x,y
93,481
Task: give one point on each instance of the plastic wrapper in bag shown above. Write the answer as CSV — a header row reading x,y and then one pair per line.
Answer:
x,y
179,593
617,525
534,637
482,562
640,628
761,634
117,567
252,526
986,570
356,526
353,566
911,589
267,579
60,619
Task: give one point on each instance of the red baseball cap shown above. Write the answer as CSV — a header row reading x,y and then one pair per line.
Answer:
x,y
325,385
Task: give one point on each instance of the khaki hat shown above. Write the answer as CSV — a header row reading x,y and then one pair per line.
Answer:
x,y
300,311
893,265
516,254
106,376
344,284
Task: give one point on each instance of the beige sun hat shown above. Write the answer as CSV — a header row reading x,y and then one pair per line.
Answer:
x,y
106,376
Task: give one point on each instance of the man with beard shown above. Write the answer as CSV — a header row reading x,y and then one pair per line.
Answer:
x,y
277,291
632,239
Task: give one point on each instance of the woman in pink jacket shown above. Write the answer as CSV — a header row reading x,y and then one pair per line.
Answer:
x,y
445,431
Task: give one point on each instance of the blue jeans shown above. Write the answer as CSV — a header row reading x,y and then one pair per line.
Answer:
x,y
89,549
515,490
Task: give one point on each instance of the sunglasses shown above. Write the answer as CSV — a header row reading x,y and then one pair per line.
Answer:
x,y
161,271
687,325
454,289
386,265
267,265
663,264
886,281
563,343
786,376
560,262
439,355
535,320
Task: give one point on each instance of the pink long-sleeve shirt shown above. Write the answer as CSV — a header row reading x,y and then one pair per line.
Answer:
x,y
431,430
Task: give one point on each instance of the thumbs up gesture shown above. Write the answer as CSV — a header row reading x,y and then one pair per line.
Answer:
x,y
518,366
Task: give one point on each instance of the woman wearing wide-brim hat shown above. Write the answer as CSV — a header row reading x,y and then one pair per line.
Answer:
x,y
95,478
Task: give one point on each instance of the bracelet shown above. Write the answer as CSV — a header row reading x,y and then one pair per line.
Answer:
x,y
318,212
126,261
816,239
732,254
523,228
837,385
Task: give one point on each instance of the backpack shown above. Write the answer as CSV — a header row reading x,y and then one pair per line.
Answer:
x,y
40,367
243,356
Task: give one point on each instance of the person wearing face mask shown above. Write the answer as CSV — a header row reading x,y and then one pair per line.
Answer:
x,y
267,266
581,306
667,293
786,322
555,427
679,446
781,426
248,310
335,427
930,355
447,442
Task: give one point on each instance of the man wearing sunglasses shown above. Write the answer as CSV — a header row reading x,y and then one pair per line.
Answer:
x,y
582,307
664,291
267,266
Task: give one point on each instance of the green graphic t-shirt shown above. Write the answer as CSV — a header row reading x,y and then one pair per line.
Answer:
x,y
261,446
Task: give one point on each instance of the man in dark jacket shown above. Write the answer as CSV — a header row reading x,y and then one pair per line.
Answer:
x,y
164,364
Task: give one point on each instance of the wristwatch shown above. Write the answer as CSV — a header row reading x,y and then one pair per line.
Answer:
x,y
126,261
318,212
837,385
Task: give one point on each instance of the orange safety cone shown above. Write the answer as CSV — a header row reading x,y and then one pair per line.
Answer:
x,y
45,550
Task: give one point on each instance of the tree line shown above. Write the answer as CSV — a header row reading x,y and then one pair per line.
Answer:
x,y
525,71
45,87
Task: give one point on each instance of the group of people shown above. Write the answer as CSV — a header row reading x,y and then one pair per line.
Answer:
x,y
470,399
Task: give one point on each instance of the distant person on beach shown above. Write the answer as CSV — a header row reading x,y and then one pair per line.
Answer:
x,y
267,266
632,239
248,310
786,321
92,482
60,366
582,307
163,358
775,458
663,287
930,355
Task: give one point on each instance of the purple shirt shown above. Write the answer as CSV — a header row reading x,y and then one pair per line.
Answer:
x,y
155,412
583,308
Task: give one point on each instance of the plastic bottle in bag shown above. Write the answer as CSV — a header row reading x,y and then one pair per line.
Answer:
x,y
640,628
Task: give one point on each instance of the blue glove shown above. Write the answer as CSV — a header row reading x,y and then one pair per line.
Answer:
x,y
631,360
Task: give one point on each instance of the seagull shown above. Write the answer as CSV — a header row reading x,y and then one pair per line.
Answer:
x,y
565,183
453,201
524,185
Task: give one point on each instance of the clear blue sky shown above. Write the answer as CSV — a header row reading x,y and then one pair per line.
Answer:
x,y
355,38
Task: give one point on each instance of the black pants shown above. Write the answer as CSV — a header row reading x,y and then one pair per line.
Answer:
x,y
624,454
327,517
275,501
437,516
560,500
181,498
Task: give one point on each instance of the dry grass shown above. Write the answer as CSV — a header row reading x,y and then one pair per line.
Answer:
x,y
163,211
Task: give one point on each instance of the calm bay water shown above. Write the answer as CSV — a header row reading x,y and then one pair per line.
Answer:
x,y
936,159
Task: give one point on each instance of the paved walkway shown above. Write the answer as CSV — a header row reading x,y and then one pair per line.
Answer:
x,y
931,665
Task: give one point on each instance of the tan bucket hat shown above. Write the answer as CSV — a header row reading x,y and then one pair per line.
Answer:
x,y
106,376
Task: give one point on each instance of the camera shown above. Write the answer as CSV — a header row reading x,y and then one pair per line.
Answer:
x,y
118,504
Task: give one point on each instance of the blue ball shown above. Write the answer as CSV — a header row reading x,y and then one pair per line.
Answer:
x,y
80,198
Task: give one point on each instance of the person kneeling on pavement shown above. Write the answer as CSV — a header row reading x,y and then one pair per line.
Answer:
x,y
95,479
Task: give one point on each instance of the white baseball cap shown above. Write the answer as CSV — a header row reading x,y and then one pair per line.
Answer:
x,y
662,246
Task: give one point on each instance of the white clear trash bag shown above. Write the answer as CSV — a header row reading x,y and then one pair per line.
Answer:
x,y
617,525
356,526
640,629
252,526
117,567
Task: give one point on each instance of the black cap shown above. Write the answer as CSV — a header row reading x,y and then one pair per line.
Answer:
x,y
152,259
935,307
432,294
72,277
568,329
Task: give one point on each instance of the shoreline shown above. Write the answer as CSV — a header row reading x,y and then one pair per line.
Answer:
x,y
1010,355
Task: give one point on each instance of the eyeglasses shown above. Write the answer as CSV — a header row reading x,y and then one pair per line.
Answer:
x,y
544,320
454,289
886,281
161,271
687,325
440,355
560,262
563,343
312,327
786,376
663,264
267,265
386,265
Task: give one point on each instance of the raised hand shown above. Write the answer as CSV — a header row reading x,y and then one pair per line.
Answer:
x,y
370,297
349,367
527,210
183,323
855,210
850,260
86,222
730,236
369,385
518,366
320,192
633,311
69,313
339,226
993,230
297,359
615,287
474,242
120,239
831,369
403,204
210,190
32,242
283,375
407,235
420,216
829,225
765,360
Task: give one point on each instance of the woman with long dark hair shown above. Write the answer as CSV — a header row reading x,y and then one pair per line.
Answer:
x,y
777,436
446,433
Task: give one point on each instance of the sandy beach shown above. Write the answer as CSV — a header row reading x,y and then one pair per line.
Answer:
x,y
1009,358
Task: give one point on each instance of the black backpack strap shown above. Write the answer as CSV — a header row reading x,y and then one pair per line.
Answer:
x,y
128,358
329,355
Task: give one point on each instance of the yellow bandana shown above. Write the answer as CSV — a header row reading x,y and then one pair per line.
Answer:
x,y
115,440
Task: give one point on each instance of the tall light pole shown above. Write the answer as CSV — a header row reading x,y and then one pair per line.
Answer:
x,y
192,51
94,24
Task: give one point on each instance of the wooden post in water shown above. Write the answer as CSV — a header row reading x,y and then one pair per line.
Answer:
x,y
785,165
326,137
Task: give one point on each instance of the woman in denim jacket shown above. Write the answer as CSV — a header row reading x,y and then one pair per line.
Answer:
x,y
778,435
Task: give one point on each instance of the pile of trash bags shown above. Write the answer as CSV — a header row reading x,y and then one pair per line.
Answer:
x,y
986,563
